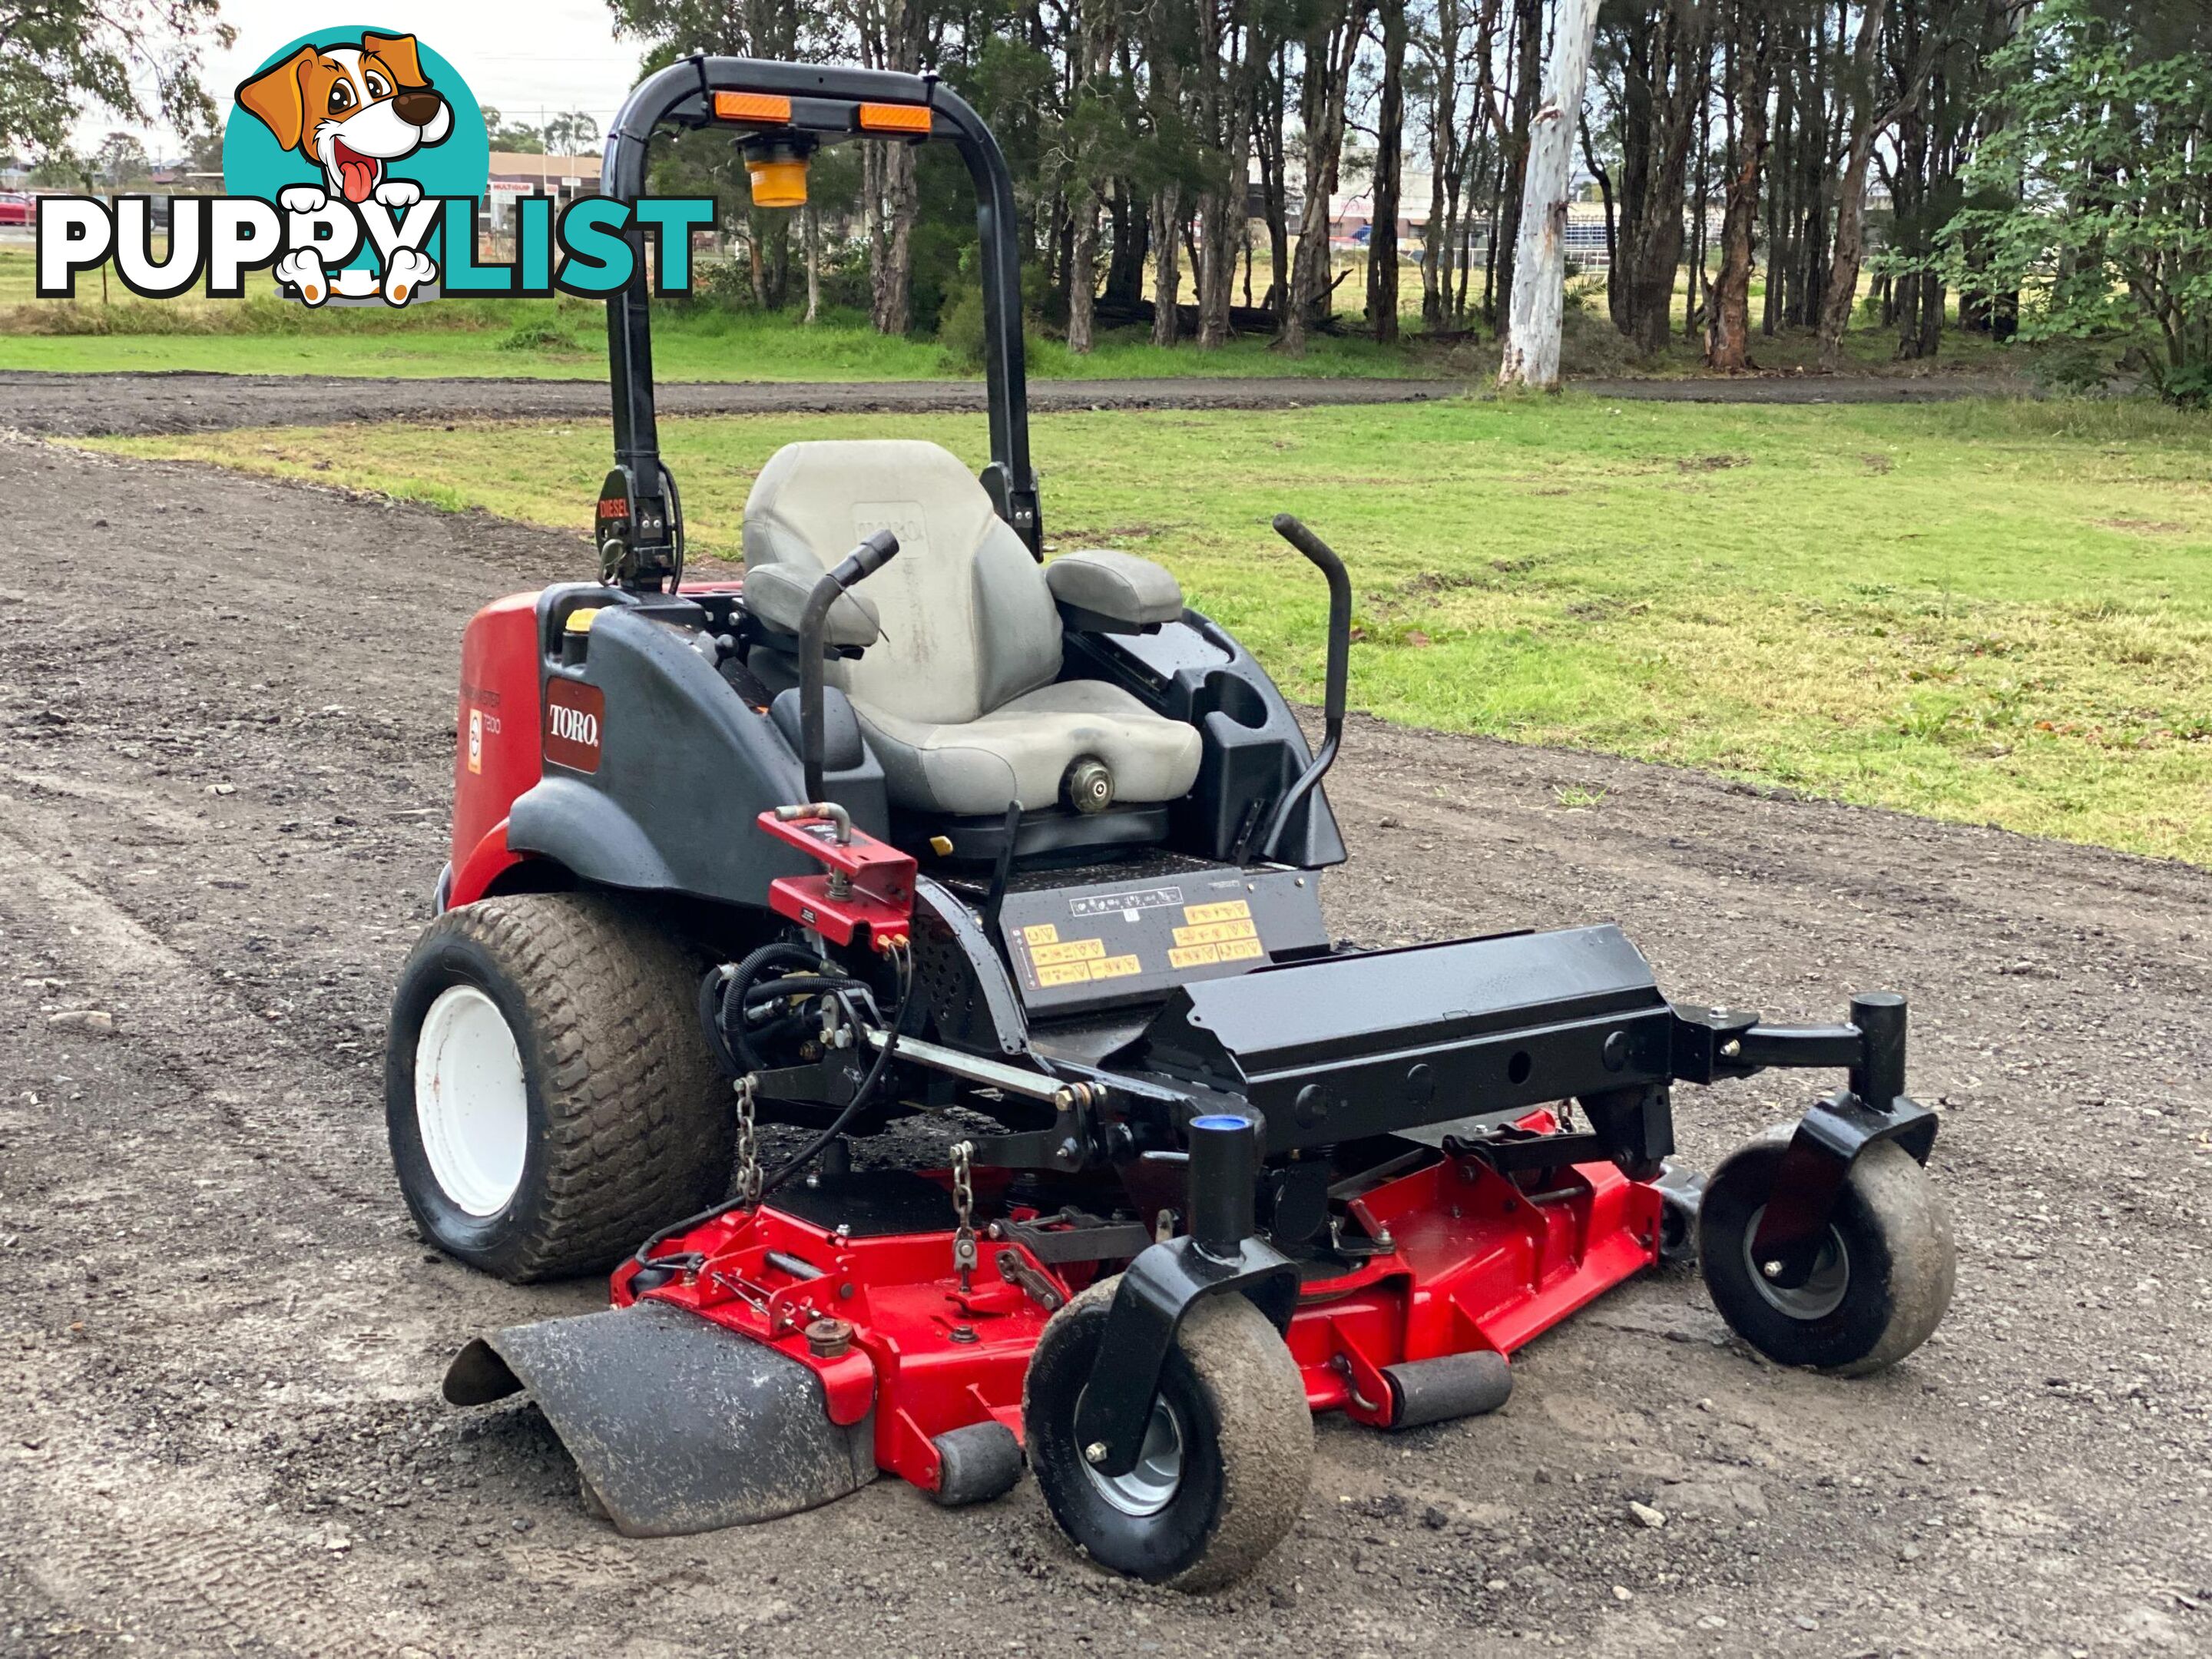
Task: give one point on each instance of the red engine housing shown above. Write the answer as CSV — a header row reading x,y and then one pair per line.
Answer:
x,y
498,750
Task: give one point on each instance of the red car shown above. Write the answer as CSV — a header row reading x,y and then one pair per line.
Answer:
x,y
14,209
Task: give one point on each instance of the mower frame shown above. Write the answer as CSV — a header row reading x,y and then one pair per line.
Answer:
x,y
1377,1150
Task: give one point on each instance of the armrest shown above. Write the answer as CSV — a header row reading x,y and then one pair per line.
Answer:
x,y
776,594
1113,593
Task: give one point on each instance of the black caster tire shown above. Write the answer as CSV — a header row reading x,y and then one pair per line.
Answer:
x,y
549,1096
1227,1462
1883,1278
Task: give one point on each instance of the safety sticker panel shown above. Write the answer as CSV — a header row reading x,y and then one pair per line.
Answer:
x,y
1099,946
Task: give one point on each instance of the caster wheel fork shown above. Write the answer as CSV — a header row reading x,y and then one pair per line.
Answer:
x,y
1227,1454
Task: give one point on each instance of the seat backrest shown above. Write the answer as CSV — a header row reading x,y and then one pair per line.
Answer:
x,y
967,621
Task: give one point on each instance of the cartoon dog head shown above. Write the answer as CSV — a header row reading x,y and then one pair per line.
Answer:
x,y
350,108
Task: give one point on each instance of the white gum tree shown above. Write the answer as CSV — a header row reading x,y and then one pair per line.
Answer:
x,y
1530,354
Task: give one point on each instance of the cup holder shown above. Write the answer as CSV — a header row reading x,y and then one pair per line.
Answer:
x,y
1237,698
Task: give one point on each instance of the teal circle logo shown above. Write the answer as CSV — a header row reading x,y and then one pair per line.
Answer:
x,y
360,115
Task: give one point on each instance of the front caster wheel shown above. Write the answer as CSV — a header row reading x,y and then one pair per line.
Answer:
x,y
1225,1463
1879,1286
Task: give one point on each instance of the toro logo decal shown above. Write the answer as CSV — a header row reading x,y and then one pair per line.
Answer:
x,y
575,713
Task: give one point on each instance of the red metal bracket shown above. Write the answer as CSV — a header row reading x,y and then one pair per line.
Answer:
x,y
867,895
925,1356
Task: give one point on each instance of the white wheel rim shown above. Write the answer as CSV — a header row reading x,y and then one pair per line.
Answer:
x,y
470,1102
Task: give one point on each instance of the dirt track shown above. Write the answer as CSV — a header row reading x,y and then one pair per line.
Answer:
x,y
225,738
76,405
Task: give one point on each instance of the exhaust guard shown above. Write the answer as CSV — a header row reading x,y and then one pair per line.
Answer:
x,y
675,1426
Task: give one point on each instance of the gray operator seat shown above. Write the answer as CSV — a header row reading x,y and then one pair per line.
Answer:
x,y
960,695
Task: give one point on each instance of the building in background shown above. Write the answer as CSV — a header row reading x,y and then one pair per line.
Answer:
x,y
564,177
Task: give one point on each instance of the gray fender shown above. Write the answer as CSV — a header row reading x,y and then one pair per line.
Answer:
x,y
569,821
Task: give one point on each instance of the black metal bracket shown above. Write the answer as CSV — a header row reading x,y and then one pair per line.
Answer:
x,y
1832,1135
1513,1150
1080,1238
1828,1141
1157,1291
1714,1044
1219,1254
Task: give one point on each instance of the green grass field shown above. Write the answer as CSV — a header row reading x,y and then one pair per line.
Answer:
x,y
1991,612
566,340
543,339
737,347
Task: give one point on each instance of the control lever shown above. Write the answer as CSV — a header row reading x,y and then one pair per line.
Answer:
x,y
870,556
1339,674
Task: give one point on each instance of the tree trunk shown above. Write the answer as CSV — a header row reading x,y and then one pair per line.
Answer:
x,y
1125,268
1528,60
1727,340
1651,236
1331,46
1222,216
1531,354
1443,161
891,281
813,262
1778,268
1693,303
892,40
1611,227
1082,273
1167,262
1850,205
1267,119
1389,143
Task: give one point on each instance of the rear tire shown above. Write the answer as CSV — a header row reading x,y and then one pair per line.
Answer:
x,y
549,1098
1882,1282
1226,1468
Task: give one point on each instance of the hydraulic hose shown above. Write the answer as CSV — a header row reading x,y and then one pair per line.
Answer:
x,y
813,1149
715,990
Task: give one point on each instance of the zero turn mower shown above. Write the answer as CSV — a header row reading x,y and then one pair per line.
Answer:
x,y
911,834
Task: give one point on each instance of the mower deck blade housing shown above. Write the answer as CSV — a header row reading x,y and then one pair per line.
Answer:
x,y
676,1426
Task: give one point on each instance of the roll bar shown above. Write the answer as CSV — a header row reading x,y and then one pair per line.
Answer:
x,y
825,103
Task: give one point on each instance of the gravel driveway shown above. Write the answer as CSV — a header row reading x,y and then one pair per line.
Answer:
x,y
226,729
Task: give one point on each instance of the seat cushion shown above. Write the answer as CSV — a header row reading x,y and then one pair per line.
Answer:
x,y
967,619
1022,749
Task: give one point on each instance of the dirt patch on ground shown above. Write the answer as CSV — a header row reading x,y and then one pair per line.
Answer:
x,y
220,1340
80,405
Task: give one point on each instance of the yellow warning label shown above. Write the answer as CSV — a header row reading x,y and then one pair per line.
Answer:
x,y
1042,932
1078,949
1066,973
1239,950
1195,955
1213,932
1227,910
1115,968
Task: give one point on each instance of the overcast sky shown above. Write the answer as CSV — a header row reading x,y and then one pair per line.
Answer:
x,y
520,56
